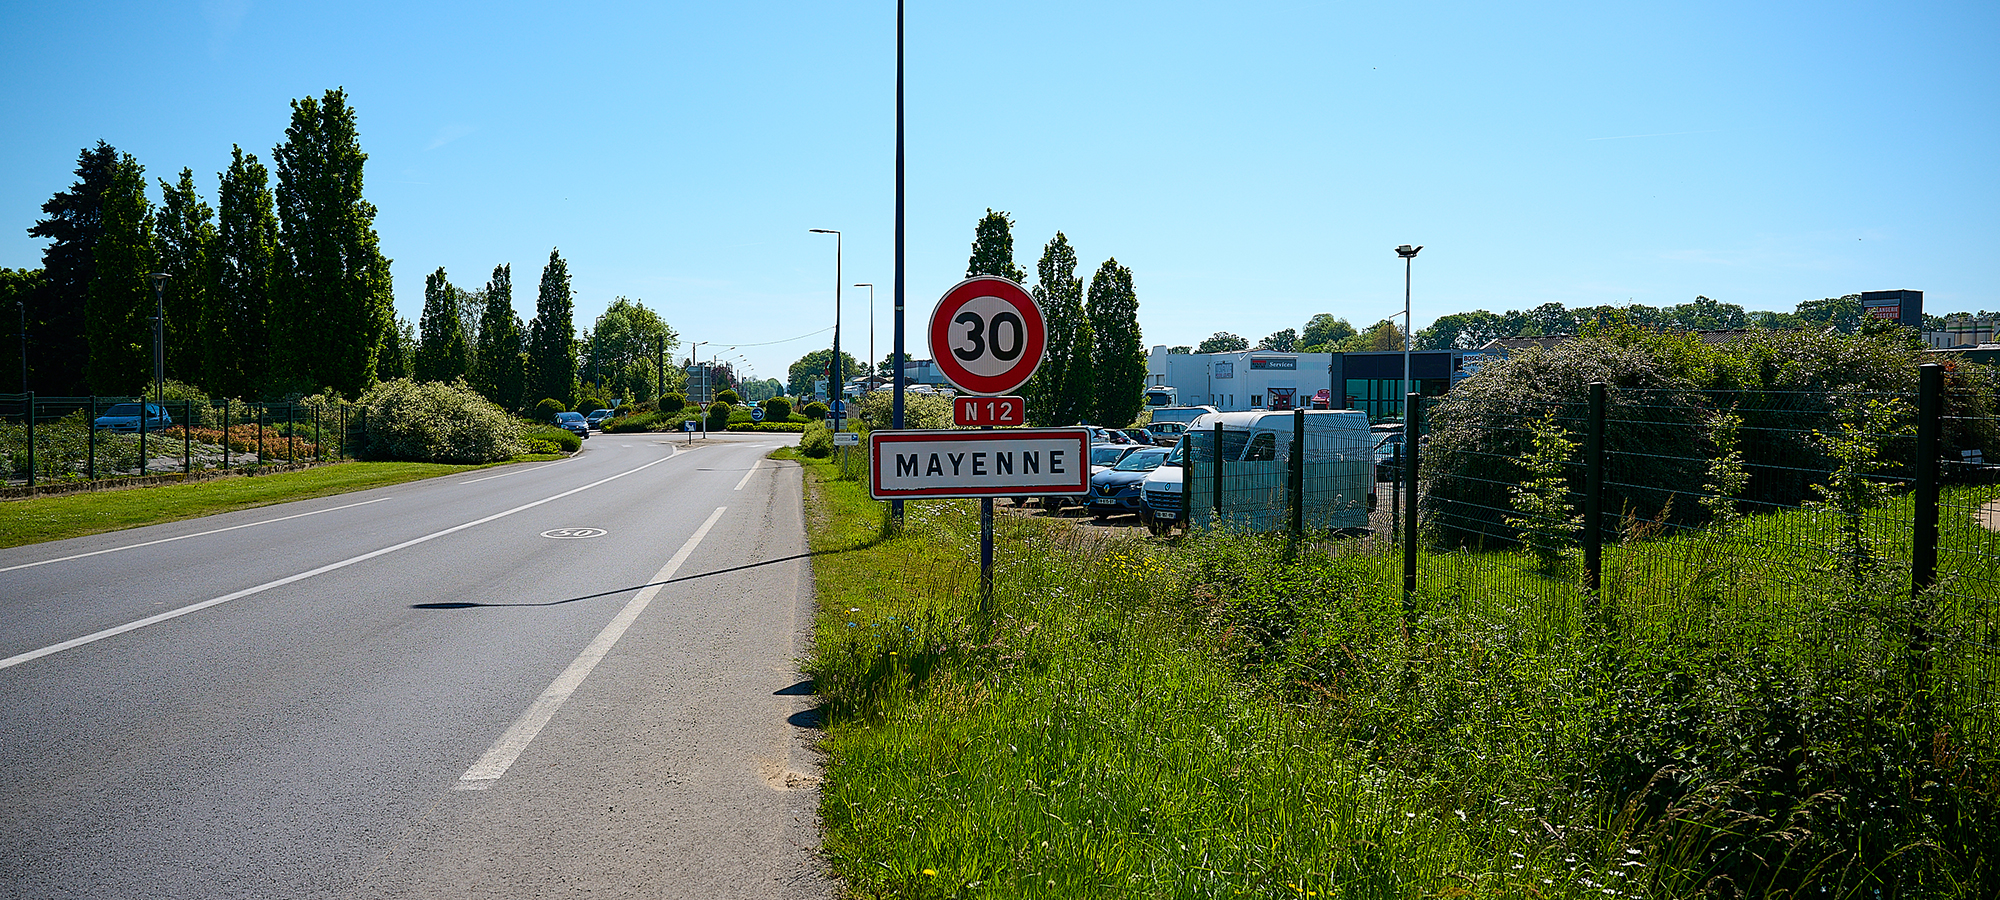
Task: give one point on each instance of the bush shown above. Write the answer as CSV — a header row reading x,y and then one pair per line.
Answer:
x,y
777,409
814,410
877,408
550,439
436,422
817,440
545,411
718,415
781,427
728,396
673,403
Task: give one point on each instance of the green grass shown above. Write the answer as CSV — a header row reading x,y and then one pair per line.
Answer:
x,y
39,519
1207,719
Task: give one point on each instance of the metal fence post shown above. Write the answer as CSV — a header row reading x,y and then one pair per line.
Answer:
x,y
90,466
291,434
187,437
1930,422
319,438
1413,426
225,434
28,404
144,413
1215,452
261,413
1593,494
1296,471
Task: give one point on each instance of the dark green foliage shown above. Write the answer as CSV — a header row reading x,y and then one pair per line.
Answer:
x,y
121,293
17,286
777,409
442,354
184,232
436,422
235,314
497,370
552,334
548,408
1322,332
993,248
628,347
1060,392
673,403
398,356
1285,341
1118,353
810,368
814,410
718,415
1222,342
58,342
729,397
332,305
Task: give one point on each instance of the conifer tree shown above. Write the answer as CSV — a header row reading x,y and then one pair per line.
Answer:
x,y
497,366
184,231
993,248
332,306
58,338
1118,357
552,337
441,350
235,315
118,317
1060,392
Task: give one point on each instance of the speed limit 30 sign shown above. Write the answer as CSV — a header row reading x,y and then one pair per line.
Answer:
x,y
988,335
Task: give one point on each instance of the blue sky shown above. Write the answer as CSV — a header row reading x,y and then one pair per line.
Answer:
x,y
1253,164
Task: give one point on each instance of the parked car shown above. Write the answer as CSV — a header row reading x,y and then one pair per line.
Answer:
x,y
597,418
575,422
1166,434
1115,491
125,417
1160,495
1139,435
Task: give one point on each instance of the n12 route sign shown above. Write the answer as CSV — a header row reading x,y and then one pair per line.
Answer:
x,y
988,335
942,464
977,412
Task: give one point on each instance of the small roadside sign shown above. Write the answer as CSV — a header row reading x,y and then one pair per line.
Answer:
x,y
938,464
687,425
846,439
975,412
757,414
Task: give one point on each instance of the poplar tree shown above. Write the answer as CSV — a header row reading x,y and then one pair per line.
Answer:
x,y
184,233
497,366
1118,358
552,337
332,306
441,351
397,357
1060,392
58,337
120,308
235,317
993,248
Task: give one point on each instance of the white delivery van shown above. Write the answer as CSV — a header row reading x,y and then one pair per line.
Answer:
x,y
1256,450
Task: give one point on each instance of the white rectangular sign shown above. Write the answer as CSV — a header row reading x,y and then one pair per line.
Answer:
x,y
846,439
1006,462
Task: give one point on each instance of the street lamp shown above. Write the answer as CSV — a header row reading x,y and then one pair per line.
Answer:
x,y
839,370
871,329
1408,253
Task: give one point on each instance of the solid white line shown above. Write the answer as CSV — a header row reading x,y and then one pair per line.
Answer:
x,y
92,638
746,475
512,742
195,535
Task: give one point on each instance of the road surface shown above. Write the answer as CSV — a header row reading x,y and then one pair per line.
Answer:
x,y
564,679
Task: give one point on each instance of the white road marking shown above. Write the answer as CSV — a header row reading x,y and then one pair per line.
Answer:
x,y
195,535
517,471
746,475
94,637
512,742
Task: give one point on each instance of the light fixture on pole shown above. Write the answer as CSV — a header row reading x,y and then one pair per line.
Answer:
x,y
871,329
839,370
1408,253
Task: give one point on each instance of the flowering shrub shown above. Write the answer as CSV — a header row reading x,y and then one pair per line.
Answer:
x,y
436,422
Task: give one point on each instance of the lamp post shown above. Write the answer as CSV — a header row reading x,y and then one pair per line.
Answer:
x,y
839,370
871,328
1408,253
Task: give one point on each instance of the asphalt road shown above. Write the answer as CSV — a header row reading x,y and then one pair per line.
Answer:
x,y
545,680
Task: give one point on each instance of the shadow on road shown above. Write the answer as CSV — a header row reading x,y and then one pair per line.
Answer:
x,y
624,590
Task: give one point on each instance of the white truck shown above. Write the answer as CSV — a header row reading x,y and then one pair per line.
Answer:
x,y
1256,446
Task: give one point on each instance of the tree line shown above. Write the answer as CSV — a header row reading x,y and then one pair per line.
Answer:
x,y
281,288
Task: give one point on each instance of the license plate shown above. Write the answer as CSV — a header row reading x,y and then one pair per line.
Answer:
x,y
1166,515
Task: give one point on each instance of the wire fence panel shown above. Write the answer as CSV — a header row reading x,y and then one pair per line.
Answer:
x,y
47,441
1267,479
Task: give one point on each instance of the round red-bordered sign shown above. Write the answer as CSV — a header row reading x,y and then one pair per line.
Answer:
x,y
988,335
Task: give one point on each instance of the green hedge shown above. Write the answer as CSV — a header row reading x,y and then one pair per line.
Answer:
x,y
783,427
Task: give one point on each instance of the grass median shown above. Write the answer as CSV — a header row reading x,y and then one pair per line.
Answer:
x,y
1211,718
39,519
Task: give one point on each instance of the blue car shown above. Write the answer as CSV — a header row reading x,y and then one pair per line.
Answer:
x,y
1115,491
126,417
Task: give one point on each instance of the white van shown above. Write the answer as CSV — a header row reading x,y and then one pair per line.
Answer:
x,y
1257,445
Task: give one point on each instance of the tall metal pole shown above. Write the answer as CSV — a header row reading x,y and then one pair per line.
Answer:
x,y
896,391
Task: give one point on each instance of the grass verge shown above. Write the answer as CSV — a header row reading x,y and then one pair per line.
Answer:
x,y
1212,719
39,519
